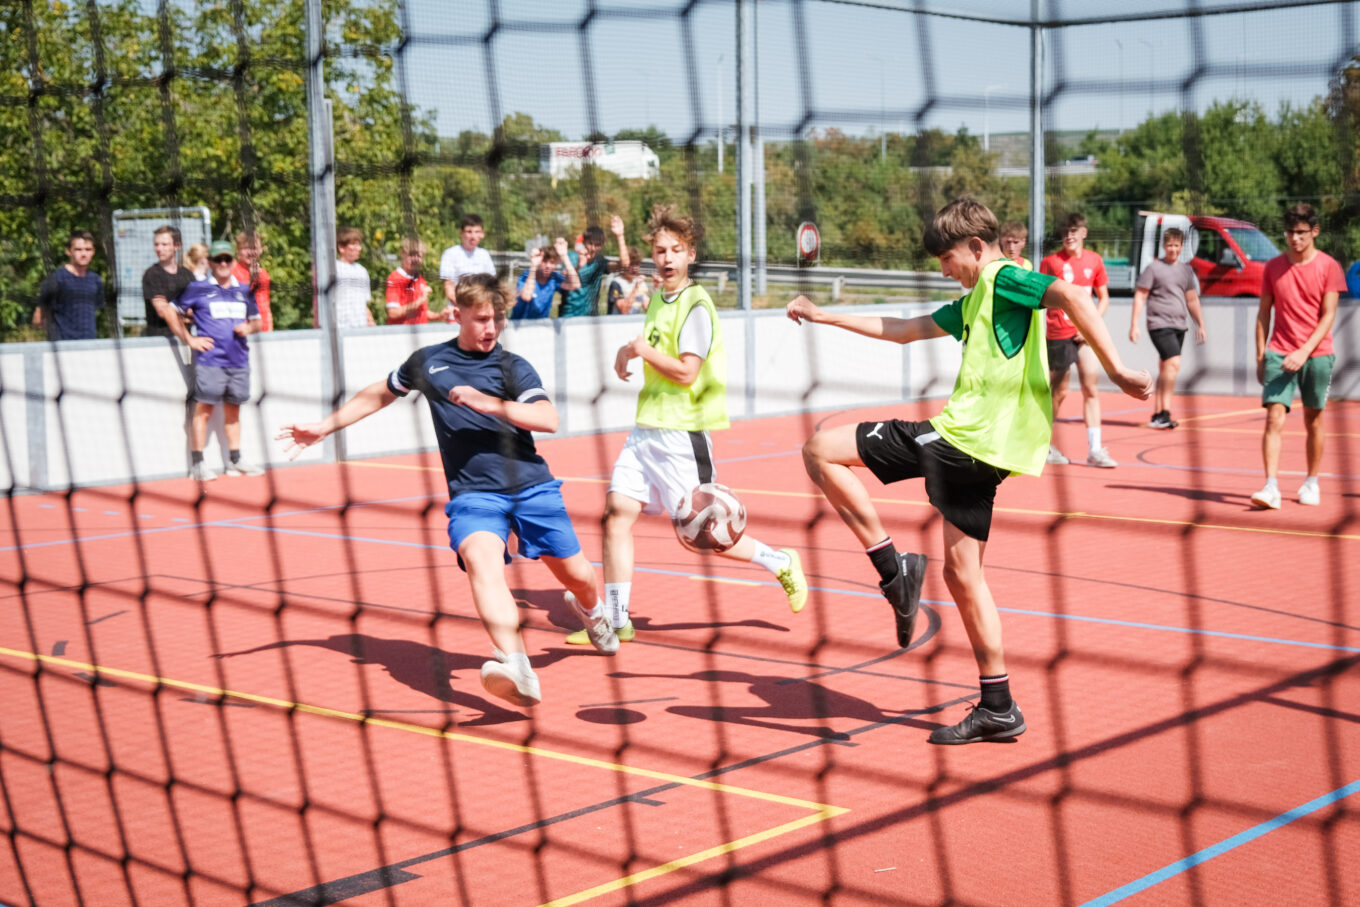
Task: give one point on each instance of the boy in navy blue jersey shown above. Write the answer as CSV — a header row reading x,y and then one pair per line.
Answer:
x,y
485,402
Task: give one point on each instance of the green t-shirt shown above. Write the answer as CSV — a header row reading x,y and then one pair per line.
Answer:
x,y
1000,411
582,301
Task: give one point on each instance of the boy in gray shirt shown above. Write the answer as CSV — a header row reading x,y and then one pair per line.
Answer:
x,y
1170,288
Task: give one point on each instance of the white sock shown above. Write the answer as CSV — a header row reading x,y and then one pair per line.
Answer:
x,y
519,662
767,557
1272,483
616,603
1310,481
1093,438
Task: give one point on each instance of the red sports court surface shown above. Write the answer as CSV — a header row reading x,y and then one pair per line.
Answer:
x,y
265,696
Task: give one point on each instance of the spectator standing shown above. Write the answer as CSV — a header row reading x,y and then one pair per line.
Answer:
x,y
534,298
249,272
1300,288
352,287
628,292
1014,237
1170,289
465,258
225,314
164,282
196,260
591,266
408,295
1085,269
70,296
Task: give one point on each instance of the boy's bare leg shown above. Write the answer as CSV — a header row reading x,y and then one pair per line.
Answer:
x,y
483,555
620,513
1166,383
202,413
1271,439
231,424
1317,439
963,575
1057,385
576,575
828,457
1088,370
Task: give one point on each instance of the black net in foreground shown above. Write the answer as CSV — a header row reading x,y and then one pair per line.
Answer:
x,y
300,557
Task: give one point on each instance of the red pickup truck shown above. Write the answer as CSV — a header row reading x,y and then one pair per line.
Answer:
x,y
1229,256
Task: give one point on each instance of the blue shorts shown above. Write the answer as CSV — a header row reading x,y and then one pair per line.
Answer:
x,y
537,515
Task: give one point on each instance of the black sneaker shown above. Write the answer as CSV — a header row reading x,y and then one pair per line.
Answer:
x,y
980,725
1162,420
903,592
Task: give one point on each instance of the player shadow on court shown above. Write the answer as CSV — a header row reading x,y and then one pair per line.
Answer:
x,y
803,700
1193,494
555,608
423,668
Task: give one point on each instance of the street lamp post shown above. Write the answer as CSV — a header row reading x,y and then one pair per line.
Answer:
x,y
987,116
1152,57
717,81
1120,45
882,110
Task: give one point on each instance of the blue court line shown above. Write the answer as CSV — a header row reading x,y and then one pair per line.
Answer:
x,y
1222,847
857,593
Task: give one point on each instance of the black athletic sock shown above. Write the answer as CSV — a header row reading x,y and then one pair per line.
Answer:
x,y
195,457
884,558
234,456
996,692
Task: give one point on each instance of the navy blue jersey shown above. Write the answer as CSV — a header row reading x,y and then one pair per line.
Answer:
x,y
480,452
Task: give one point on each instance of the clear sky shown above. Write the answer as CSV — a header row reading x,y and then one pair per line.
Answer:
x,y
853,66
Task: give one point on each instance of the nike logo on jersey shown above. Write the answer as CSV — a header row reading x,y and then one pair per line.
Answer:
x,y
875,432
437,368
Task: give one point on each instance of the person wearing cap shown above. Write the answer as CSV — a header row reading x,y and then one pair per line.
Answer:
x,y
224,313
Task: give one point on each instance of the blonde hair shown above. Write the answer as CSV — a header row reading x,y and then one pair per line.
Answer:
x,y
1012,228
196,256
959,221
413,246
666,219
475,290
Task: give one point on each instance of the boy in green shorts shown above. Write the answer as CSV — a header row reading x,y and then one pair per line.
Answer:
x,y
683,398
998,422
1301,288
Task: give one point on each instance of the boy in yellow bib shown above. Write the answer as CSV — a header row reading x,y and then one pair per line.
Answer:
x,y
997,423
683,398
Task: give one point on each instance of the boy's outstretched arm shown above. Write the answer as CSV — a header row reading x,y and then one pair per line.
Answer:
x,y
539,415
365,403
1072,300
898,330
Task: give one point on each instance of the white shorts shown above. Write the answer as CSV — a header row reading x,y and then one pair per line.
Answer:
x,y
659,466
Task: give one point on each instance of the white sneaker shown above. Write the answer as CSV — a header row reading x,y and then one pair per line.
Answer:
x,y
515,685
598,629
1267,498
1101,458
242,468
1310,495
200,472
1055,457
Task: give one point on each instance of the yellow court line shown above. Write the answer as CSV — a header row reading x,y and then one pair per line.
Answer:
x,y
1236,412
723,579
1290,434
820,811
758,837
1019,510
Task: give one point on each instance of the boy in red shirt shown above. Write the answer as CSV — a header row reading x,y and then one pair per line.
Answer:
x,y
408,295
1085,269
1301,287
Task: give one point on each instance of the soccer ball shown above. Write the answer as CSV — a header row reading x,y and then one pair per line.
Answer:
x,y
710,518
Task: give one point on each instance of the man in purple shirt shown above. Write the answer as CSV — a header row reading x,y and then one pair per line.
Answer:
x,y
224,313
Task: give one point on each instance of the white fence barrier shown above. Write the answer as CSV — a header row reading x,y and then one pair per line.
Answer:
x,y
101,412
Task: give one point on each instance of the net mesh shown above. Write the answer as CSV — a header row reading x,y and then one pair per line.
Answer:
x,y
270,694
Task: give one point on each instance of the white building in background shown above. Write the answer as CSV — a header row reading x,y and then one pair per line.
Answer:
x,y
630,160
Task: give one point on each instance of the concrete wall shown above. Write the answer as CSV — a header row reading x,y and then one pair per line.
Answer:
x,y
99,412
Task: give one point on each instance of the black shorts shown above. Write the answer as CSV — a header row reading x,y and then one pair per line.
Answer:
x,y
1168,341
1062,355
961,488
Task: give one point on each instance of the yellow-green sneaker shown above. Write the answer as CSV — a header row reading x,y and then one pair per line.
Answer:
x,y
794,582
582,638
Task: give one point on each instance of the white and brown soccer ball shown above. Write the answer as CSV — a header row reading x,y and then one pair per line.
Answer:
x,y
710,518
